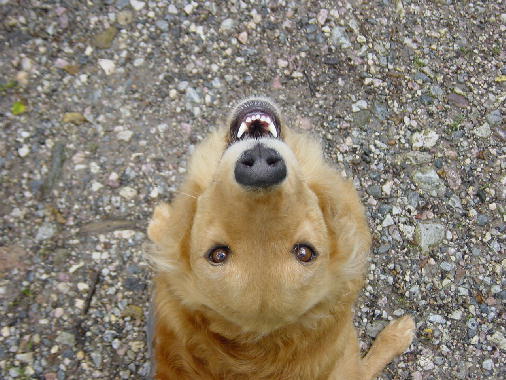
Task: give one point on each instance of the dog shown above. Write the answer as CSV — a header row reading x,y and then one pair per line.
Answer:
x,y
258,262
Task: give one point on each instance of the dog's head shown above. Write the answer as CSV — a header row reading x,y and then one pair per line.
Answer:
x,y
263,232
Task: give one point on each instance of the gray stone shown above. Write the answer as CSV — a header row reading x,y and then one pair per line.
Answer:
x,y
97,359
413,158
428,180
162,25
458,100
436,318
454,202
182,86
46,231
374,328
120,4
446,266
361,118
429,235
192,95
380,110
66,338
374,191
482,219
125,17
436,91
494,117
25,357
384,248
340,38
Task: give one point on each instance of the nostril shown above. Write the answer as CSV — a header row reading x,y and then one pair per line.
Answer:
x,y
271,161
248,162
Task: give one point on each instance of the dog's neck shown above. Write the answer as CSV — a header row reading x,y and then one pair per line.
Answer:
x,y
215,345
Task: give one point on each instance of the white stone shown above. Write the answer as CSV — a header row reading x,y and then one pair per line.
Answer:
x,y
429,235
488,364
322,16
95,256
360,105
162,127
188,9
282,63
138,62
483,131
227,25
107,65
388,221
128,193
46,231
125,135
436,318
498,339
96,186
24,150
137,5
172,9
424,139
457,314
407,231
387,187
26,357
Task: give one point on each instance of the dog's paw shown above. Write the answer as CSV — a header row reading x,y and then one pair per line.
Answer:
x,y
399,333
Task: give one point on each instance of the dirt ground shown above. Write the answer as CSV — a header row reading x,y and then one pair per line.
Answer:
x,y
102,102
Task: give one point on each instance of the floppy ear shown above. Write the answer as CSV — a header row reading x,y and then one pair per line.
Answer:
x,y
340,204
170,229
158,226
345,218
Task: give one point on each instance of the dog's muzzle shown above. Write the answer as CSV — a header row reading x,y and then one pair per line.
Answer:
x,y
259,166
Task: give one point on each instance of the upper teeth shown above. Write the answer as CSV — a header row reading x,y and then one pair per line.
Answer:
x,y
243,128
264,118
272,129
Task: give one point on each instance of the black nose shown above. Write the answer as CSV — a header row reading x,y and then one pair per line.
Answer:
x,y
260,167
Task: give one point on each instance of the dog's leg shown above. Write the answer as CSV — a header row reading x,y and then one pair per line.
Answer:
x,y
391,342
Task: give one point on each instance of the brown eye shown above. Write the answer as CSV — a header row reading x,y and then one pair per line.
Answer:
x,y
218,255
304,253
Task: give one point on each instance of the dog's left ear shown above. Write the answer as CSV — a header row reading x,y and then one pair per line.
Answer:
x,y
157,229
345,219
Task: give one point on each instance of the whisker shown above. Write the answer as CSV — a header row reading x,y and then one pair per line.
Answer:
x,y
188,195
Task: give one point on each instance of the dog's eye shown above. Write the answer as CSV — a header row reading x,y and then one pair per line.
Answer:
x,y
304,253
218,255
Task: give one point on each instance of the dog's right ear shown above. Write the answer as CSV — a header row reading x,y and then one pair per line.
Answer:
x,y
158,227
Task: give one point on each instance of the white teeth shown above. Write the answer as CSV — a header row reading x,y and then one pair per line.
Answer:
x,y
248,119
242,129
272,129
257,116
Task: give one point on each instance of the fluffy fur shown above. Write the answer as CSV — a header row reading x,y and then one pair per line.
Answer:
x,y
263,315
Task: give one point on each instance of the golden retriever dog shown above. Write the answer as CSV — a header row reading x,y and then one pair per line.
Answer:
x,y
259,260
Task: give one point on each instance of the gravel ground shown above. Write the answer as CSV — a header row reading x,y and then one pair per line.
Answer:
x,y
101,103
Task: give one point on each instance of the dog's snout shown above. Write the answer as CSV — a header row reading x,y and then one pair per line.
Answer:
x,y
260,167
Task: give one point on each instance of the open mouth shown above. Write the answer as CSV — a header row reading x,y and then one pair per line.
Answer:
x,y
254,118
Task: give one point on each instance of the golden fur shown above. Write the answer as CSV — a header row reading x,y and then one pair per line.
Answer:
x,y
263,315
